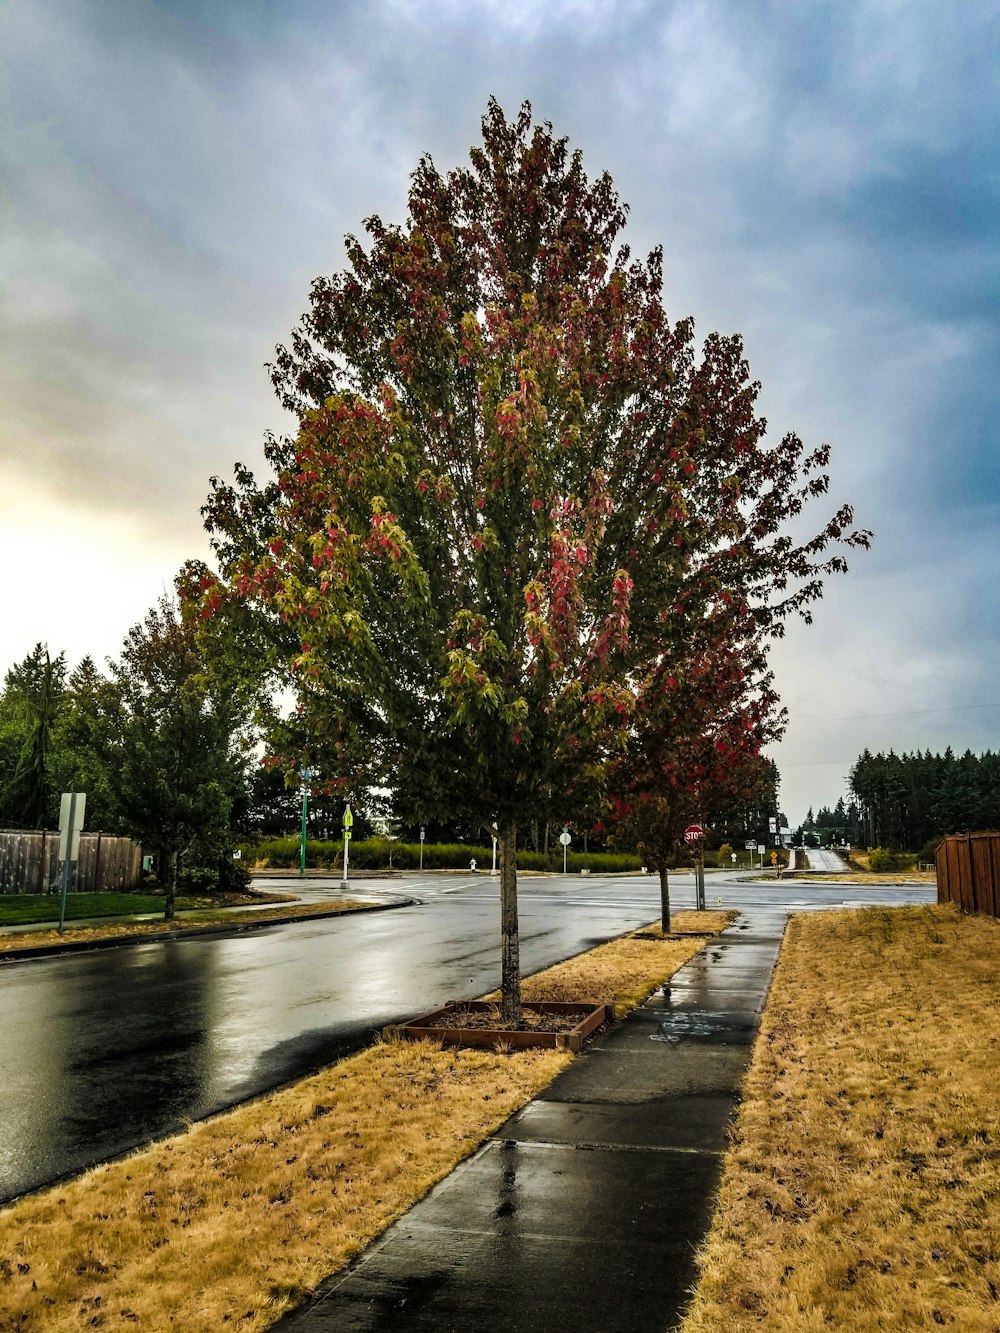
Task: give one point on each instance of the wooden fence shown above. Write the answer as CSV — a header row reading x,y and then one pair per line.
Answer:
x,y
968,872
29,862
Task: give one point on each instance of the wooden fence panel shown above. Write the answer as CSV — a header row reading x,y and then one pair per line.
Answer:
x,y
982,875
968,872
29,862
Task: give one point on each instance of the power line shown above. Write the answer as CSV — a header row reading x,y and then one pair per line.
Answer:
x,y
815,763
911,712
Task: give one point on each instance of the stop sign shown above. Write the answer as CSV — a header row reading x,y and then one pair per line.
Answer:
x,y
694,833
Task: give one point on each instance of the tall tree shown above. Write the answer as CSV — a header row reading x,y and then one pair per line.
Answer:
x,y
29,708
515,487
81,738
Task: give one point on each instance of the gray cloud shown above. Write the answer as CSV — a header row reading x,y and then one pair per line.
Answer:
x,y
822,179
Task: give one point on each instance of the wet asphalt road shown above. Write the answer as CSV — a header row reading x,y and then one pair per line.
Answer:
x,y
101,1052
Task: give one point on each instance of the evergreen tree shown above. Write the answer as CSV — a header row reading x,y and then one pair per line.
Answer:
x,y
29,709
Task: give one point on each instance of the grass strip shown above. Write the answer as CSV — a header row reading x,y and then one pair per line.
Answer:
x,y
41,939
232,1222
863,1187
21,909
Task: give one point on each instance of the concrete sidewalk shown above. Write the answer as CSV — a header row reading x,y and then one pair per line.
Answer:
x,y
583,1212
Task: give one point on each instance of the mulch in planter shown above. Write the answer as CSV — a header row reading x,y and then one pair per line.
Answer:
x,y
477,1023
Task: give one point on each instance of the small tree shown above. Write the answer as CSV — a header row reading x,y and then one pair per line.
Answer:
x,y
695,747
172,767
515,487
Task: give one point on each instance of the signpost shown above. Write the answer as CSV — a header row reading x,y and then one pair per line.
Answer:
x,y
71,811
423,835
693,836
565,839
348,825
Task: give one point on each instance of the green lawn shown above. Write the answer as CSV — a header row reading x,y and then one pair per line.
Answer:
x,y
20,909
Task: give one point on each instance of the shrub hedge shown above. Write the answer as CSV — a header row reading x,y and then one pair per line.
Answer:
x,y
881,859
380,853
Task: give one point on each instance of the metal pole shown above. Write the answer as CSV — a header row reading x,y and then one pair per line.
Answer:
x,y
348,827
65,888
700,873
422,835
302,849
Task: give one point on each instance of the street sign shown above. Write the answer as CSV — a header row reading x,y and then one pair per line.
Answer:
x,y
750,845
71,811
694,833
761,848
772,824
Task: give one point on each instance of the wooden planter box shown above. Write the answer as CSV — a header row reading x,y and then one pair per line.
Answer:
x,y
436,1026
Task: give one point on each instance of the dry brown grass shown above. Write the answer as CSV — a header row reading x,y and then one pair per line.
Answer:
x,y
229,1224
863,1190
38,939
883,877
624,971
233,1221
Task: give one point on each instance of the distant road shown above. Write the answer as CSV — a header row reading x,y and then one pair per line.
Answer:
x,y
827,862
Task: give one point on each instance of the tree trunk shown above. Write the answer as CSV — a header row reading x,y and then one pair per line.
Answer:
x,y
510,961
170,887
664,901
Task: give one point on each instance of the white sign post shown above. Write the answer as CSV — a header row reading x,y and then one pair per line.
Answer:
x,y
71,811
693,836
565,839
423,835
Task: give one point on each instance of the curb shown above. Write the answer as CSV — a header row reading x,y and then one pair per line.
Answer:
x,y
26,954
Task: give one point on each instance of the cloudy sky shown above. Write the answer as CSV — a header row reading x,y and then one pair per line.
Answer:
x,y
824,179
